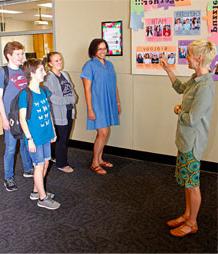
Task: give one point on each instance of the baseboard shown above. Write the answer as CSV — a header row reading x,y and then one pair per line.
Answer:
x,y
146,156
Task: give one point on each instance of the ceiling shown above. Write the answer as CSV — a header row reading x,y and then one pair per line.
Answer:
x,y
28,7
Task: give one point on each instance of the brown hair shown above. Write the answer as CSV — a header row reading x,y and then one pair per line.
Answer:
x,y
10,47
30,66
93,47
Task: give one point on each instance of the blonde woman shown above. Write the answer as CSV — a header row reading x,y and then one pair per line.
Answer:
x,y
63,99
194,116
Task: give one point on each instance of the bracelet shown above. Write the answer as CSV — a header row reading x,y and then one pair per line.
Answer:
x,y
30,138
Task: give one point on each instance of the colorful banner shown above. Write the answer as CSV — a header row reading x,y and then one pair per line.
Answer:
x,y
187,22
158,29
182,51
153,4
182,3
148,57
138,7
212,20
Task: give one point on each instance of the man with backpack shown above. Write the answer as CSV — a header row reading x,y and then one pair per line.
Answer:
x,y
12,81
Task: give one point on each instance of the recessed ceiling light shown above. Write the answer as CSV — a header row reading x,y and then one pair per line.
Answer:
x,y
47,5
44,16
10,12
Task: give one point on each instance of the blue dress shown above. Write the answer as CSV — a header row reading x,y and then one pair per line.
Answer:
x,y
103,90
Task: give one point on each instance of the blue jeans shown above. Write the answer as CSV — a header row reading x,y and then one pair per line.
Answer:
x,y
10,149
42,154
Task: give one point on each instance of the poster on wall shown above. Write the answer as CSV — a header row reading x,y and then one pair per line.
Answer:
x,y
187,22
153,4
212,21
148,57
158,29
182,51
172,24
112,34
139,7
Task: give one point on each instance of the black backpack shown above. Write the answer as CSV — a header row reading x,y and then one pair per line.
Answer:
x,y
13,116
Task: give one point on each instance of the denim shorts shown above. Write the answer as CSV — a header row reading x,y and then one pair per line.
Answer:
x,y
42,154
187,170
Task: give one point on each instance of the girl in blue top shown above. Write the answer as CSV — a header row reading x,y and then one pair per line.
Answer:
x,y
38,131
102,99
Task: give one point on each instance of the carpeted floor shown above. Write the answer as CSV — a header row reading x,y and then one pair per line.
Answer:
x,y
124,211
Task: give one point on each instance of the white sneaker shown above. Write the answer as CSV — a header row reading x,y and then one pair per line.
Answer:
x,y
66,169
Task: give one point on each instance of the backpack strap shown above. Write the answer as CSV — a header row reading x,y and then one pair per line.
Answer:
x,y
29,102
47,93
45,90
6,78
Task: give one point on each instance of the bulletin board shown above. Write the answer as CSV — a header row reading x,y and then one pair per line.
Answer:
x,y
164,28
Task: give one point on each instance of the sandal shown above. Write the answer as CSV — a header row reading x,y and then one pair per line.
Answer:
x,y
186,229
98,170
106,164
177,222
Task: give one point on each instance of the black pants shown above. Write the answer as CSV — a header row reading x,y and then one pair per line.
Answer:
x,y
60,148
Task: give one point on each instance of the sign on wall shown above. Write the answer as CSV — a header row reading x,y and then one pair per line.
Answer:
x,y
112,34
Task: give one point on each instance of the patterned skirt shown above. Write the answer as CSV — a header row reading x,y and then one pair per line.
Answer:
x,y
187,170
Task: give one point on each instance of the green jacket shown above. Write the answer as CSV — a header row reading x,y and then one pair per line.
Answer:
x,y
194,119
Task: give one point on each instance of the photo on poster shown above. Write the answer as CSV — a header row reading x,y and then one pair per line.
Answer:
x,y
214,67
182,51
149,56
187,22
158,29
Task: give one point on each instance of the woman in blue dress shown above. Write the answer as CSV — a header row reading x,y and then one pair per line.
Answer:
x,y
102,99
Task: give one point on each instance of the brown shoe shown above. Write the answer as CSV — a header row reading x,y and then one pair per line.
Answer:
x,y
66,169
186,229
106,164
176,222
98,170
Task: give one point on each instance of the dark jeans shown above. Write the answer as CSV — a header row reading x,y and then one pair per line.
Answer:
x,y
60,148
